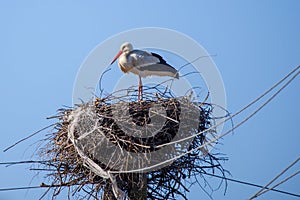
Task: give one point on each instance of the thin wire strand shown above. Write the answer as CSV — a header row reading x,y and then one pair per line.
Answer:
x,y
19,188
274,179
252,184
209,174
29,136
281,182
32,187
25,162
198,58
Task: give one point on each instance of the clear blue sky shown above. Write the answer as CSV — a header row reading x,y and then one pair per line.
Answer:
x,y
43,43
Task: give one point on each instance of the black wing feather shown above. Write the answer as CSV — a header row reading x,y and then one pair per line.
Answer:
x,y
161,60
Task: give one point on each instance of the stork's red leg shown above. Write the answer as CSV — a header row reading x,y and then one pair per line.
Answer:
x,y
140,94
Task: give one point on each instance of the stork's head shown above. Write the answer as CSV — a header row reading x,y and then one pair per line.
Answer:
x,y
125,48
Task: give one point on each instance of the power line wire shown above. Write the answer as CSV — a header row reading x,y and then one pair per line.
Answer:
x,y
209,174
281,182
252,184
261,191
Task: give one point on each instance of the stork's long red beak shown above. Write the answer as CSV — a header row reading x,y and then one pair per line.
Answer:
x,y
116,57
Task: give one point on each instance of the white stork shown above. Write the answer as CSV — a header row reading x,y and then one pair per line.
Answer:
x,y
143,63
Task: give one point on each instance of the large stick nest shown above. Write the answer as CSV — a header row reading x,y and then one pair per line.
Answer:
x,y
84,129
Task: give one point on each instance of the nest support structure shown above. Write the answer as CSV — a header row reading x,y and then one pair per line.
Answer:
x,y
92,150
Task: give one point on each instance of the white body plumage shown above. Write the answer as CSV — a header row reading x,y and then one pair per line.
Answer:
x,y
143,63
